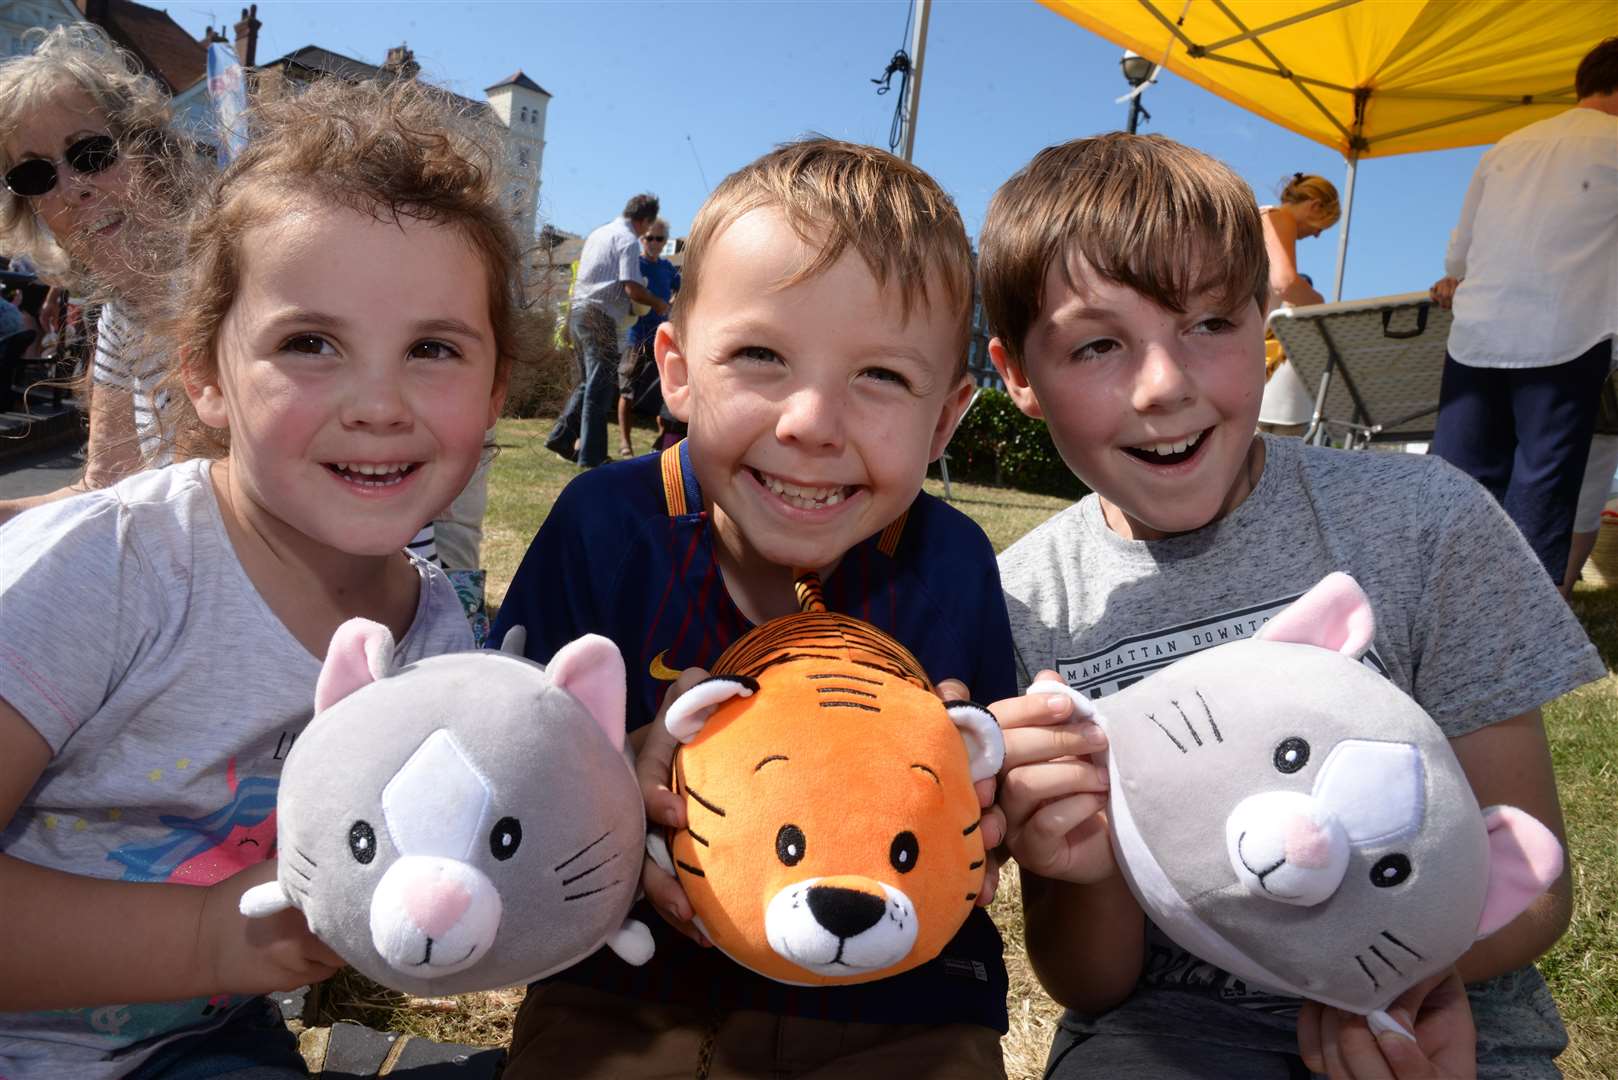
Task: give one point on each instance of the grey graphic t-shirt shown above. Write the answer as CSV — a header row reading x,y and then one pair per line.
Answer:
x,y
1467,623
134,643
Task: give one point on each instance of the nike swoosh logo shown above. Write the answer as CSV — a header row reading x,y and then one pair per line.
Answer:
x,y
661,671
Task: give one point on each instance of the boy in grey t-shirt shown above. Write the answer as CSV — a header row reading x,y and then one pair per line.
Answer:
x,y
1125,280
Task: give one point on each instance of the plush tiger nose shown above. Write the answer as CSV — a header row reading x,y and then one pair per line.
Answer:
x,y
845,912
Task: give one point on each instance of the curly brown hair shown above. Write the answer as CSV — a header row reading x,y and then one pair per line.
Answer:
x,y
394,150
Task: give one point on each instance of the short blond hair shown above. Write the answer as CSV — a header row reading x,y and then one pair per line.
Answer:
x,y
79,58
838,195
1143,211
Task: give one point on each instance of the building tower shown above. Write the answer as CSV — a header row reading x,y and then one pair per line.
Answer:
x,y
520,104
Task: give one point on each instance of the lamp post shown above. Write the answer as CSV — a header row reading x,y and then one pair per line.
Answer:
x,y
1137,69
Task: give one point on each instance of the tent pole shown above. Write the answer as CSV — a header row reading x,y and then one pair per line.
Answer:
x,y
918,49
1348,217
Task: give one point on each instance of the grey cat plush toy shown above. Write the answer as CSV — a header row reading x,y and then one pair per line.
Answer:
x,y
465,822
1332,848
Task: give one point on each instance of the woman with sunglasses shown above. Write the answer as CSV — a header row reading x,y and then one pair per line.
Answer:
x,y
92,176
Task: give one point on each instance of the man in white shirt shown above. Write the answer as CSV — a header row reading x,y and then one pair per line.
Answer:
x,y
1532,271
609,280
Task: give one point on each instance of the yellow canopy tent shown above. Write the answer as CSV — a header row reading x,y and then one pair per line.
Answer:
x,y
1368,77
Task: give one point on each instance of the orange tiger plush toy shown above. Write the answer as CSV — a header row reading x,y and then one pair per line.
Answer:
x,y
833,824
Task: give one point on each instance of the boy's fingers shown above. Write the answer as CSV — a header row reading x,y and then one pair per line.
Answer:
x,y
1331,1046
1028,788
953,690
991,881
1309,1036
993,827
663,807
664,893
1032,710
1026,745
654,760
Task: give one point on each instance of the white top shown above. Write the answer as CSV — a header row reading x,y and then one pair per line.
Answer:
x,y
611,256
1536,247
120,364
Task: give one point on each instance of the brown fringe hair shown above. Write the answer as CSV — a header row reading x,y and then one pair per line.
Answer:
x,y
835,196
1143,211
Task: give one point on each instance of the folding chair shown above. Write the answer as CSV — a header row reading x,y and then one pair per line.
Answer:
x,y
1376,364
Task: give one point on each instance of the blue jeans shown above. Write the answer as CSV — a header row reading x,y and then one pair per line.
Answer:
x,y
1524,433
590,406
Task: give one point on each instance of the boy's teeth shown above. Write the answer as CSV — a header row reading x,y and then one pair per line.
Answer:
x,y
805,498
1167,448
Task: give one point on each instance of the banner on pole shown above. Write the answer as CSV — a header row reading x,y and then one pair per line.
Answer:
x,y
227,87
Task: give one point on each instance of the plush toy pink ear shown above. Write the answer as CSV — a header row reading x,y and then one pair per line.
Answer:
x,y
1335,614
361,652
1525,859
592,670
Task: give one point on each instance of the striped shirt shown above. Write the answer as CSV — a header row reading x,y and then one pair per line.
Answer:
x,y
611,257
119,366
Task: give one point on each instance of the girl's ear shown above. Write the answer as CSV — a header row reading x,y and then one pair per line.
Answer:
x,y
1016,380
202,387
673,371
497,396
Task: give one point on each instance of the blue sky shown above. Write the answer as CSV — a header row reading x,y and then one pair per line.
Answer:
x,y
644,91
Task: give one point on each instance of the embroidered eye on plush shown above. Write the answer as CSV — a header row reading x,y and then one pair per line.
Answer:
x,y
362,842
789,844
1291,755
1390,870
504,838
903,852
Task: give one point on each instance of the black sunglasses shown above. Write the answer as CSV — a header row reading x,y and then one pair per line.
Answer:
x,y
36,176
658,238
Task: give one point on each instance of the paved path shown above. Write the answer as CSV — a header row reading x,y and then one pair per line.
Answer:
x,y
38,473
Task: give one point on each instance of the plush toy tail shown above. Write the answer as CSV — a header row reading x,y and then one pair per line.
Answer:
x,y
264,900
632,942
811,597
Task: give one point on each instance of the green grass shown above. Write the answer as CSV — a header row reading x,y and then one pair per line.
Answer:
x,y
1582,969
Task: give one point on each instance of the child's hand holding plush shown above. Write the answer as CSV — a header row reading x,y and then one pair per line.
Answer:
x,y
258,956
1052,790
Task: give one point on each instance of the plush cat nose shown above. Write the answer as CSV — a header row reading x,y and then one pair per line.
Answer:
x,y
845,912
1306,844
1286,847
435,904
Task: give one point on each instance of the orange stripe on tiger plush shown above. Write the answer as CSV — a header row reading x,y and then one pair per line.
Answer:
x,y
833,824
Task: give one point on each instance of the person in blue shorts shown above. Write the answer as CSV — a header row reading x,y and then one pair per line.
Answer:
x,y
817,351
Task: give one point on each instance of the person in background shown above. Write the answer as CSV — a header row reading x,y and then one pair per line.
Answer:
x,y
663,279
1532,273
609,280
1599,468
94,180
11,316
1308,208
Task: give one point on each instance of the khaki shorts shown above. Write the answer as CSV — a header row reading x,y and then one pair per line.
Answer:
x,y
576,1032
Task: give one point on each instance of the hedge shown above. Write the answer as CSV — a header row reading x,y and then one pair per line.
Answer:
x,y
997,444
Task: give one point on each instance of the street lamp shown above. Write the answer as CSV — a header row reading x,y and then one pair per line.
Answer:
x,y
1137,69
